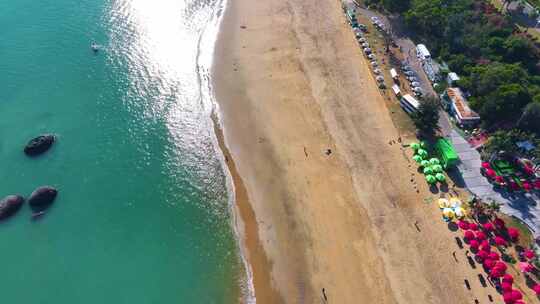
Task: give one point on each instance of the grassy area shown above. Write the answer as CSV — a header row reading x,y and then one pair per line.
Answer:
x,y
401,120
526,237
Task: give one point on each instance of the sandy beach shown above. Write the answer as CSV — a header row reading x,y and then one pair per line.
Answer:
x,y
325,201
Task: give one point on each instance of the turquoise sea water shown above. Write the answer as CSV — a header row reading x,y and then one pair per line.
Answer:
x,y
142,215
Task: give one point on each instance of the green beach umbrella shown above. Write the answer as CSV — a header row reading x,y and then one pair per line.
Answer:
x,y
422,153
437,168
423,144
431,179
415,146
440,177
428,171
424,163
434,161
417,158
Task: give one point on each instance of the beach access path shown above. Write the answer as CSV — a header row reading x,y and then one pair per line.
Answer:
x,y
335,205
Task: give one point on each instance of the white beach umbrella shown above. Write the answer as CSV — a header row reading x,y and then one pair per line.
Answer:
x,y
377,71
367,51
365,45
374,64
362,40
371,56
379,78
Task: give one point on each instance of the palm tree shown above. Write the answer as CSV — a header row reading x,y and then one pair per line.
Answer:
x,y
492,208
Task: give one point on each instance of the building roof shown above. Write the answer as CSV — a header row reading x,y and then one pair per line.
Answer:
x,y
453,76
461,105
411,100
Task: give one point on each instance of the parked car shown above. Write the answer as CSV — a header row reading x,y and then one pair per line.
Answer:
x,y
412,79
408,73
374,19
415,84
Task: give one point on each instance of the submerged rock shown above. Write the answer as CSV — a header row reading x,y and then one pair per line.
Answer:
x,y
10,205
42,198
39,144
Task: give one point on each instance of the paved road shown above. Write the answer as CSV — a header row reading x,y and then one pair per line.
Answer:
x,y
523,206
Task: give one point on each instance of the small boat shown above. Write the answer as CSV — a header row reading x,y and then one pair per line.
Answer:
x,y
39,144
94,47
37,215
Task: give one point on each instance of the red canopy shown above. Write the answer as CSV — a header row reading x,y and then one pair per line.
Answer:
x,y
480,235
529,254
489,264
473,226
500,241
536,288
494,256
499,223
514,186
513,233
508,278
463,225
506,287
469,235
491,173
507,297
482,254
501,265
488,227
516,295
486,165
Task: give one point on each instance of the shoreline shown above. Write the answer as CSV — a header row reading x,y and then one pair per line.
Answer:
x,y
258,268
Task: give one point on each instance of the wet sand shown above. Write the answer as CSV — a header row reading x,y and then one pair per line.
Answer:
x,y
325,201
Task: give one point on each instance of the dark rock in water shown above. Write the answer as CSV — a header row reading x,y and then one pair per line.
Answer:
x,y
39,144
42,198
10,205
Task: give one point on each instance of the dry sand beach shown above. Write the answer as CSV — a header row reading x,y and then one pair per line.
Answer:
x,y
291,84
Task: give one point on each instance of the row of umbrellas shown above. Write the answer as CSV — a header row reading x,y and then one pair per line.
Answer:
x,y
451,208
432,167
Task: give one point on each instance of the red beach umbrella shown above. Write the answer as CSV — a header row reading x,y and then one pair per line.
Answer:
x,y
536,289
484,246
488,227
499,179
499,223
474,244
500,241
489,264
508,278
527,186
480,235
506,287
463,225
501,265
494,256
491,173
482,255
537,184
507,297
513,233
516,295
525,267
469,235
529,254
473,226
486,165
519,302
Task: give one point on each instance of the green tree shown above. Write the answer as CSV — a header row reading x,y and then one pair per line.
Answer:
x,y
426,119
530,119
504,104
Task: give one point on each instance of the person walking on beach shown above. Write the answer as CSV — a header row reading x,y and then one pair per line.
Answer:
x,y
324,295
